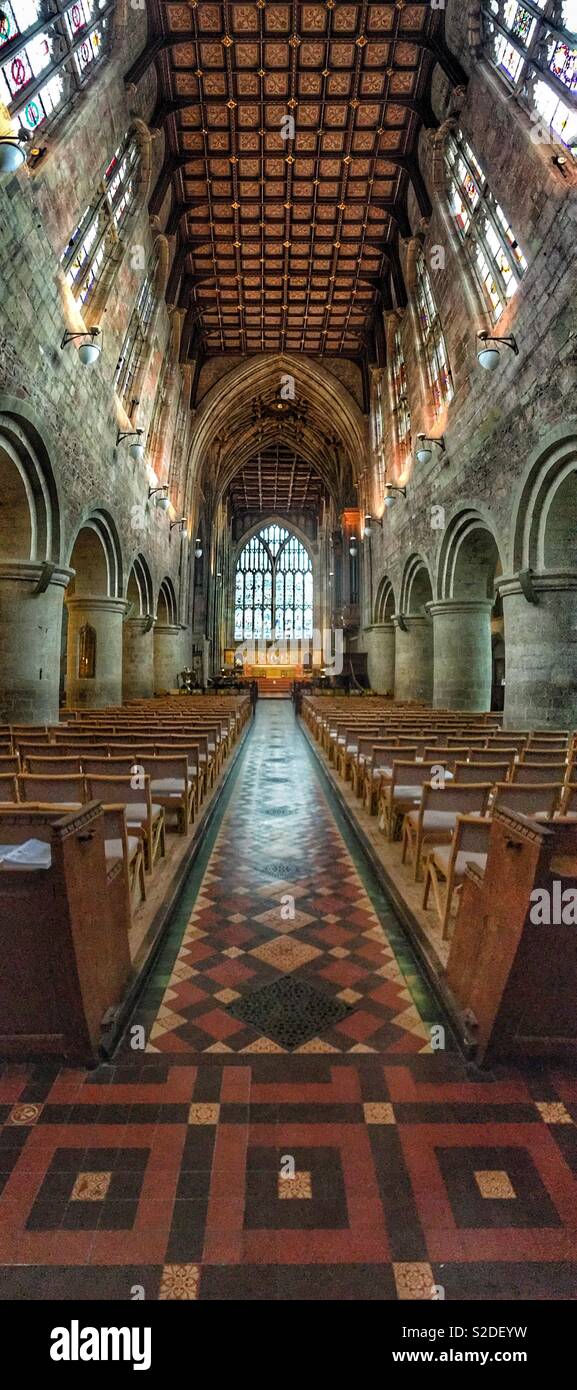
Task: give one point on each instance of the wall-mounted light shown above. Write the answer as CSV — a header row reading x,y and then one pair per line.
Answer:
x,y
136,449
371,521
560,162
489,356
353,548
161,498
12,152
424,449
198,548
182,522
89,348
391,495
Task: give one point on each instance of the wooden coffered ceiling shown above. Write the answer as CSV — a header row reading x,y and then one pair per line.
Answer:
x,y
277,480
288,244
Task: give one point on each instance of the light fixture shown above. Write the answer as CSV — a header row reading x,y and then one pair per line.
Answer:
x,y
198,548
12,153
371,521
424,449
182,521
136,449
353,549
560,162
489,356
162,499
88,349
390,494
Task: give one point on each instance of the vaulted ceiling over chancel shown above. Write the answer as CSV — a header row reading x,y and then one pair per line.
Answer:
x,y
290,144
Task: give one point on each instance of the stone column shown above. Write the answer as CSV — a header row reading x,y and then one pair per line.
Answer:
x,y
105,616
413,657
380,643
463,660
138,658
540,613
167,656
31,597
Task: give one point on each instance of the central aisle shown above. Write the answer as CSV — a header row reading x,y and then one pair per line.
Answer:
x,y
284,892
275,1124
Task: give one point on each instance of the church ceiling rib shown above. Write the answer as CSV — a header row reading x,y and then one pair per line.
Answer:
x,y
287,241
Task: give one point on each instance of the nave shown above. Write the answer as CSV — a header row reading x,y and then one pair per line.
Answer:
x,y
316,1147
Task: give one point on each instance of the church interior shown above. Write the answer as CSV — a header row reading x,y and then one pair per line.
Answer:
x,y
288,650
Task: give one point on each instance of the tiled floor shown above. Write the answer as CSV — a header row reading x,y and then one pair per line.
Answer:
x,y
210,1162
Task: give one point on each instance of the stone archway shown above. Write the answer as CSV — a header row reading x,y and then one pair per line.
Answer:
x,y
540,595
414,634
137,634
168,640
380,640
463,614
32,581
94,602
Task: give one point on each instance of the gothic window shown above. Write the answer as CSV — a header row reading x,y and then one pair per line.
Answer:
x,y
49,52
87,652
433,338
273,587
534,47
378,437
100,229
402,414
496,257
136,337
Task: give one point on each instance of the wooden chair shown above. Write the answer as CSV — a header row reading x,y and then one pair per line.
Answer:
x,y
529,799
445,864
529,774
379,767
476,772
141,812
436,817
171,786
402,793
54,766
126,850
66,790
8,788
10,762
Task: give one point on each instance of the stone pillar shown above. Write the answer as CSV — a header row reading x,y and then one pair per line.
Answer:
x,y
167,656
138,658
380,644
31,597
105,616
413,657
463,659
540,613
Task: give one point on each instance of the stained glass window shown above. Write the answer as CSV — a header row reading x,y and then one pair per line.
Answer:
x,y
273,587
47,53
439,371
534,47
96,237
135,341
402,420
495,254
378,439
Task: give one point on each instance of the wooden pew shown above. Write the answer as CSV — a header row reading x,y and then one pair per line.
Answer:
x,y
514,976
63,936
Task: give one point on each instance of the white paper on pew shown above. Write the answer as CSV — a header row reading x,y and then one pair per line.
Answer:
x,y
33,854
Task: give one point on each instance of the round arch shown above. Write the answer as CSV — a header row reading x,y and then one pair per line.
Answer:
x,y
470,557
30,515
542,527
385,604
416,586
95,554
166,607
139,589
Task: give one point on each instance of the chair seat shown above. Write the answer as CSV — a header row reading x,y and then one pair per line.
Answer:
x,y
113,848
435,820
137,811
407,793
169,786
464,857
382,772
